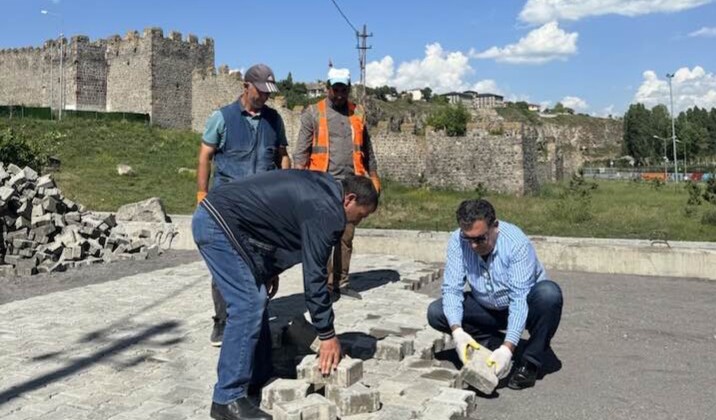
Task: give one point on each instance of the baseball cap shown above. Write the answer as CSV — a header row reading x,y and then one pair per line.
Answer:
x,y
261,76
339,76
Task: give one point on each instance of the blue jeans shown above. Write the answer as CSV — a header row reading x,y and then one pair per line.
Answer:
x,y
544,304
245,356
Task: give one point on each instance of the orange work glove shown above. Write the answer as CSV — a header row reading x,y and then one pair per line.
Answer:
x,y
200,195
376,182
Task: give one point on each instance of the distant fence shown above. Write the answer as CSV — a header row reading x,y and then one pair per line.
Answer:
x,y
631,174
45,113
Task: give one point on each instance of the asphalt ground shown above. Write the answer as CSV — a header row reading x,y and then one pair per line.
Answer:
x,y
630,347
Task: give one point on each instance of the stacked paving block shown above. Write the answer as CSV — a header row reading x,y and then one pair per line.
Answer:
x,y
389,372
41,231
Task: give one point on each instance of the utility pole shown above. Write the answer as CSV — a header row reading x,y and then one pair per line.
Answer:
x,y
362,50
62,75
673,131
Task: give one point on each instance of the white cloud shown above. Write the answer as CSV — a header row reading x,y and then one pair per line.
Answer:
x,y
541,11
704,32
379,73
604,112
546,43
574,102
441,70
487,86
691,87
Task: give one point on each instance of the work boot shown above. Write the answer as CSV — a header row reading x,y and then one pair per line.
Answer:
x,y
241,409
349,292
217,333
525,376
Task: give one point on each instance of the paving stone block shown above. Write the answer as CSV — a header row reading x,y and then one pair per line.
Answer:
x,y
450,378
477,374
393,348
439,411
356,399
313,407
396,412
349,372
7,270
461,398
282,391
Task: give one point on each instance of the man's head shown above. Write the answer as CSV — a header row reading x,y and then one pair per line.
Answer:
x,y
478,225
359,198
339,86
259,84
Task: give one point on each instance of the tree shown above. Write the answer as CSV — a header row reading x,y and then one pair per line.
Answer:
x,y
452,119
561,109
427,93
639,141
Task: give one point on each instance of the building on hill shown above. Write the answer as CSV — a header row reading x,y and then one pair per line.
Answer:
x,y
488,100
316,90
415,94
465,98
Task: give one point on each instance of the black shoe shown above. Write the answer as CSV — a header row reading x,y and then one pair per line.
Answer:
x,y
239,409
217,333
351,293
525,376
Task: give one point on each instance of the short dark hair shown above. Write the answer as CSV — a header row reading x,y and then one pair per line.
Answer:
x,y
362,187
473,210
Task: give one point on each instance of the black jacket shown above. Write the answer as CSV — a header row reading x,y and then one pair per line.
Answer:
x,y
278,219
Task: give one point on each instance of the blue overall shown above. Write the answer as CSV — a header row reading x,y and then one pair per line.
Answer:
x,y
246,151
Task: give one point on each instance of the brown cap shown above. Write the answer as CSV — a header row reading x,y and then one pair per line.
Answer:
x,y
261,76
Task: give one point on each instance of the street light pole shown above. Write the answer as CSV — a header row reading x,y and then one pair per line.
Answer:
x,y
62,66
673,130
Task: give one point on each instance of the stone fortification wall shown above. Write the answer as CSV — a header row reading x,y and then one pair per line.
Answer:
x,y
562,149
212,89
25,75
173,62
86,75
129,74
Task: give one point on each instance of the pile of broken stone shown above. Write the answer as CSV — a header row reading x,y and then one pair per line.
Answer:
x,y
41,231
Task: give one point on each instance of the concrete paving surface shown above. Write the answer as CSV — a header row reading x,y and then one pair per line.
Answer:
x,y
137,347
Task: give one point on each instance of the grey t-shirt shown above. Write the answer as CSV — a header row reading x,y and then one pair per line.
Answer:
x,y
340,136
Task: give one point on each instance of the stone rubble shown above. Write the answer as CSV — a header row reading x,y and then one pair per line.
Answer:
x,y
42,231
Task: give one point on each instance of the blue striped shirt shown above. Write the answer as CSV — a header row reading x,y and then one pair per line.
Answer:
x,y
501,282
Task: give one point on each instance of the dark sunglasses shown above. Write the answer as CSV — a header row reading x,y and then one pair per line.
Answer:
x,y
475,239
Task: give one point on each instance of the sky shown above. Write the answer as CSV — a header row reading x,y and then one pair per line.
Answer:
x,y
596,56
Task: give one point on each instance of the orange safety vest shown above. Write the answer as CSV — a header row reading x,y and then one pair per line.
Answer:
x,y
320,149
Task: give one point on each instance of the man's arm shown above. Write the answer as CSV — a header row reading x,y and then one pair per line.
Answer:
x,y
212,139
203,170
282,159
521,281
304,142
370,163
454,282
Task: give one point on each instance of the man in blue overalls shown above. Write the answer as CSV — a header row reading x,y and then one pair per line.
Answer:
x,y
241,139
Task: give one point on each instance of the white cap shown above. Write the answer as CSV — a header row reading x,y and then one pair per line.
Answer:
x,y
339,76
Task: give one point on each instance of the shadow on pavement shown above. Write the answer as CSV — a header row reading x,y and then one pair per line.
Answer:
x,y
82,363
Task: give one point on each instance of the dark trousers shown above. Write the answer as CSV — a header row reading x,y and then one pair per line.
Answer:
x,y
340,262
545,311
219,303
245,356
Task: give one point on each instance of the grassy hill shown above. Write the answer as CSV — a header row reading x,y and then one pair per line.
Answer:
x,y
91,150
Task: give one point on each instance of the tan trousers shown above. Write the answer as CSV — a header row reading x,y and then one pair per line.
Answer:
x,y
339,264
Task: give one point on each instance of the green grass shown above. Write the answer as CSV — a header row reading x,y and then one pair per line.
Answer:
x,y
617,210
90,152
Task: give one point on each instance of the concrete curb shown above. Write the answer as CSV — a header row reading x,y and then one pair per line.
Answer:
x,y
592,255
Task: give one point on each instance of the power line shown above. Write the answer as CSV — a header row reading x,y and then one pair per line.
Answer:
x,y
344,16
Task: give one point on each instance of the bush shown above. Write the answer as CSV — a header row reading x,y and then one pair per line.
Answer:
x,y
709,217
452,119
16,149
694,191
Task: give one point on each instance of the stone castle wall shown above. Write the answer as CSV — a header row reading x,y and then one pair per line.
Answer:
x,y
212,89
145,73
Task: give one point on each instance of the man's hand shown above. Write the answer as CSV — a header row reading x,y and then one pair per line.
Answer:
x,y
463,341
200,196
272,286
329,355
501,359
